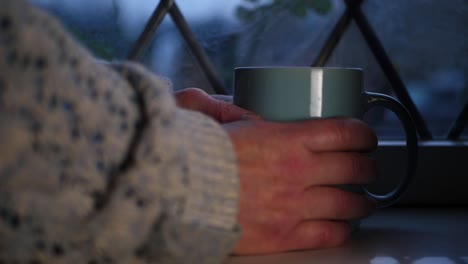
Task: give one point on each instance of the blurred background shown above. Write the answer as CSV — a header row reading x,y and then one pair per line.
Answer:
x,y
426,41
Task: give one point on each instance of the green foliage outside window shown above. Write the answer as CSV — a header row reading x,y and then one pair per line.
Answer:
x,y
298,8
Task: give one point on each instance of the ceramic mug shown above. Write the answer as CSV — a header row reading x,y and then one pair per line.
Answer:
x,y
287,94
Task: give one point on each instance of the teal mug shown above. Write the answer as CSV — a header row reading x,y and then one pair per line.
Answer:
x,y
286,94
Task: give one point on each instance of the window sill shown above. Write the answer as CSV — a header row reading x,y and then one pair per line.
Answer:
x,y
441,177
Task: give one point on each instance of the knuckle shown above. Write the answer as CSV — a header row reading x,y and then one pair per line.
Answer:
x,y
194,92
190,97
293,167
185,94
339,132
287,198
354,167
359,169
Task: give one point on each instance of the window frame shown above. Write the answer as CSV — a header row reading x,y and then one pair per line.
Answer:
x,y
439,177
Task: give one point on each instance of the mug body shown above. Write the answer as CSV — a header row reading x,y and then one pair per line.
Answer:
x,y
299,93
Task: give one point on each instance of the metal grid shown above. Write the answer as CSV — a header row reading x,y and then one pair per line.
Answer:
x,y
352,12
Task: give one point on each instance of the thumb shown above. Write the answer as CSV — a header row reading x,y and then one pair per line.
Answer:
x,y
198,100
226,112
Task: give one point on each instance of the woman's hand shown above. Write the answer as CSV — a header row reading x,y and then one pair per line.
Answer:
x,y
286,172
217,107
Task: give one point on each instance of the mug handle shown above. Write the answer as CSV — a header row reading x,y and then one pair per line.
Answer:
x,y
376,99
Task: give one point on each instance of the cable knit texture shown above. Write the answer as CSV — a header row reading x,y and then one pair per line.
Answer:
x,y
97,163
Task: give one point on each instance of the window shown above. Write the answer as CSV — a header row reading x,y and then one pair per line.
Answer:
x,y
413,50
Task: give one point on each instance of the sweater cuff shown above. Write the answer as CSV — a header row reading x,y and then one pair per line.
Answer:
x,y
194,164
214,186
209,219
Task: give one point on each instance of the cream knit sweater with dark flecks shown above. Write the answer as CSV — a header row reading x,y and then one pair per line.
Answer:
x,y
97,163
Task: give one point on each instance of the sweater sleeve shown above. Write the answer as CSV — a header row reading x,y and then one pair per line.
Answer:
x,y
97,163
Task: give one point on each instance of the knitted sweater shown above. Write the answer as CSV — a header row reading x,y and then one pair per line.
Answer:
x,y
97,163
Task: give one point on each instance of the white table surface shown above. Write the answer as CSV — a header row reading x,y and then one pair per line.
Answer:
x,y
391,236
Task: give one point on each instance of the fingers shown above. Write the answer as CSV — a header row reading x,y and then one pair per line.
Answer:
x,y
318,219
326,168
333,134
333,203
286,169
191,98
330,168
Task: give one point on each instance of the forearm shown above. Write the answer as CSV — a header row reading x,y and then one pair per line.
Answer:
x,y
98,163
